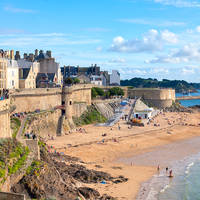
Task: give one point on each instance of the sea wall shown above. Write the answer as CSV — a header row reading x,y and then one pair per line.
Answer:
x,y
28,100
160,98
5,131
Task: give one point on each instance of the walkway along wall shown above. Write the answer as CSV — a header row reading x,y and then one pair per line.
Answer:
x,y
5,131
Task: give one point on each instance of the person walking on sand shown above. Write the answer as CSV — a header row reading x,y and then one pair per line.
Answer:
x,y
158,168
167,169
170,174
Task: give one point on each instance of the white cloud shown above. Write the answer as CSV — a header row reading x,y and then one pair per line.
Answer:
x,y
179,3
187,71
153,22
18,10
117,60
46,39
151,42
188,53
198,29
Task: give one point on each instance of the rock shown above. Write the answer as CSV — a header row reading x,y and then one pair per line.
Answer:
x,y
89,193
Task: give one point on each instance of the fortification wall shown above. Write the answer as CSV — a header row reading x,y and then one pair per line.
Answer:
x,y
79,109
44,124
76,94
160,98
28,100
5,131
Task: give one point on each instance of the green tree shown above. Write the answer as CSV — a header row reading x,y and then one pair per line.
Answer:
x,y
68,81
100,91
76,81
94,93
116,91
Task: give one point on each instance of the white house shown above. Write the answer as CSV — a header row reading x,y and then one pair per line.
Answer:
x,y
115,78
97,80
12,74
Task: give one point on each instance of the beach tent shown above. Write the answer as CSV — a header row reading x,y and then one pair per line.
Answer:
x,y
141,110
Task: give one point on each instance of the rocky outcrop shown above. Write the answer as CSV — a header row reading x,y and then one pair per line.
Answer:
x,y
61,178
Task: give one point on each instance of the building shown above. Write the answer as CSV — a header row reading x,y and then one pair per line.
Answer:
x,y
48,64
115,78
69,71
3,75
46,80
97,80
141,110
12,74
27,78
72,71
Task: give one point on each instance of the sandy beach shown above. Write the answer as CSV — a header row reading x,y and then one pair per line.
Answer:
x,y
133,153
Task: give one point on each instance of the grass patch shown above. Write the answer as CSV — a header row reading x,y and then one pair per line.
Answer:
x,y
15,125
13,156
89,117
34,167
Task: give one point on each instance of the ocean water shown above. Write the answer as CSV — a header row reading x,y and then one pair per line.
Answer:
x,y
185,185
192,102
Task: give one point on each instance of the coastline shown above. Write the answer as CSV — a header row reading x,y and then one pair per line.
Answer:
x,y
127,143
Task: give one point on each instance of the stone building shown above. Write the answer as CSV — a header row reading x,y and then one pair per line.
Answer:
x,y
27,78
3,75
48,64
12,74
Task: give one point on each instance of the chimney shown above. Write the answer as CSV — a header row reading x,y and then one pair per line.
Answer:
x,y
36,53
25,56
31,57
12,54
17,55
49,53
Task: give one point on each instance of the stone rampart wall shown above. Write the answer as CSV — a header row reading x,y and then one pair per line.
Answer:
x,y
5,131
29,100
76,94
160,98
79,109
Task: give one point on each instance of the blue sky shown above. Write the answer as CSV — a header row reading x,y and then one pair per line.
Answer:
x,y
140,38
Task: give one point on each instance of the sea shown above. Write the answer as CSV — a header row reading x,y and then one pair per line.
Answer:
x,y
188,103
185,185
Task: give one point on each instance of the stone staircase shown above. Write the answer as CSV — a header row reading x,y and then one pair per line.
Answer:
x,y
106,109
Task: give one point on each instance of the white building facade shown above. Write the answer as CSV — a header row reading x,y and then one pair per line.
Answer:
x,y
115,78
12,74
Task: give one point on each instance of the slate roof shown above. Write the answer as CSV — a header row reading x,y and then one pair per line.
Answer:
x,y
23,74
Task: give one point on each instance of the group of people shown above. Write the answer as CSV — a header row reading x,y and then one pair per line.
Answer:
x,y
30,136
167,169
81,130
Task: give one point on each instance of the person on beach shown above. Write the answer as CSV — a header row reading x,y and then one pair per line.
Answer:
x,y
158,168
167,169
170,174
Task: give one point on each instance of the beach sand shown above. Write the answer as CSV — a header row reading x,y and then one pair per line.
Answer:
x,y
144,147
